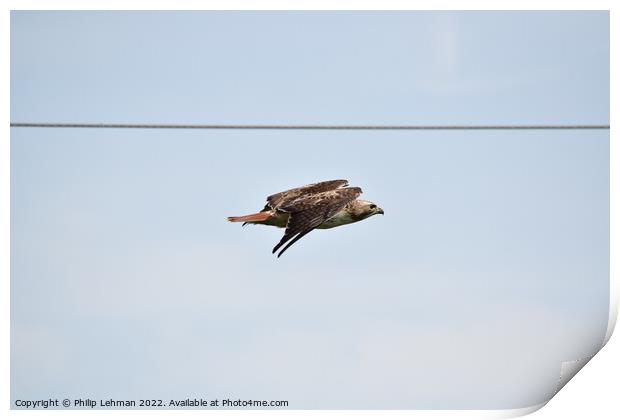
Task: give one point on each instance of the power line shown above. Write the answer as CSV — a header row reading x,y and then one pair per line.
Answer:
x,y
314,127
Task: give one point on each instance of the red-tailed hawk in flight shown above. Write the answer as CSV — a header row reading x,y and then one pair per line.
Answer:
x,y
323,205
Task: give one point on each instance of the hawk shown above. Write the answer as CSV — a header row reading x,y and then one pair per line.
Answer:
x,y
323,205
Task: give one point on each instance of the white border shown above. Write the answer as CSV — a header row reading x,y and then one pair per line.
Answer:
x,y
598,383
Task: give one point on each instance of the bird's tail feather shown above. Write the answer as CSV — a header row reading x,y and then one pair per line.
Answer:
x,y
257,217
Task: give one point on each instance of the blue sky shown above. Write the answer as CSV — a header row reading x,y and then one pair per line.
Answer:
x,y
489,268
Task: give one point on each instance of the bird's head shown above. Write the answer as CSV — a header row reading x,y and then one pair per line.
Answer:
x,y
364,209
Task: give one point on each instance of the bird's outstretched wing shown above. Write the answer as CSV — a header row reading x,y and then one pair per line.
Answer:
x,y
307,212
275,201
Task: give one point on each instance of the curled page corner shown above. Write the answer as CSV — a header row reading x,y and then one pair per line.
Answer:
x,y
519,412
569,368
613,310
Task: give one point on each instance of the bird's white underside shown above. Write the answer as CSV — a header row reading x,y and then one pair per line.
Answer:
x,y
343,217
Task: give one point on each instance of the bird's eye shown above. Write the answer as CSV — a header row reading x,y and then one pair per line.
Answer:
x,y
373,206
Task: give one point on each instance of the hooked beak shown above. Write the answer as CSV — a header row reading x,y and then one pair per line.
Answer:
x,y
380,210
